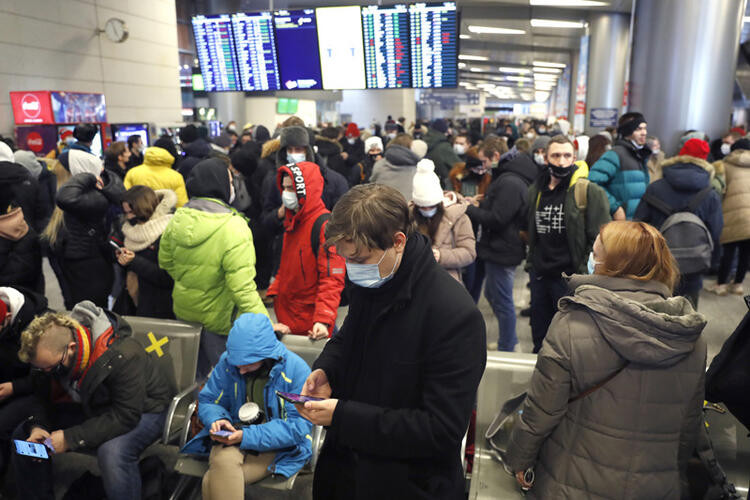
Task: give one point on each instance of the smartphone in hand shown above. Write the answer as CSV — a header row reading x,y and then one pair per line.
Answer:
x,y
29,449
296,398
222,433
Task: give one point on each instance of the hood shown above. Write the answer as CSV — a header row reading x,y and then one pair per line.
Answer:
x,y
522,165
658,332
209,179
81,162
261,134
270,147
400,156
642,154
687,173
6,154
252,339
14,299
739,158
199,148
13,226
197,221
158,157
29,161
308,184
433,138
454,205
327,147
509,155
12,173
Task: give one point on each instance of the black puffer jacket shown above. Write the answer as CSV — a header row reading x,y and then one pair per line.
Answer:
x,y
330,151
85,215
194,152
503,213
355,151
20,253
19,188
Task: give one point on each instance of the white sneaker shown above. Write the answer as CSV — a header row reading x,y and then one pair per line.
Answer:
x,y
720,290
492,346
736,289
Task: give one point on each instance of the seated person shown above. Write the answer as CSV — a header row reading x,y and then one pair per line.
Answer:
x,y
99,389
245,380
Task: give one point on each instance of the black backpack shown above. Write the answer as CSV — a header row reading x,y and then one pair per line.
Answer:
x,y
687,236
315,243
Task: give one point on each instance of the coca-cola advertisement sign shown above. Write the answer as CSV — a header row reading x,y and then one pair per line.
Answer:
x,y
41,139
31,107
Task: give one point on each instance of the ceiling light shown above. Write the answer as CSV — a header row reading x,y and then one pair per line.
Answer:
x,y
464,37
519,71
544,77
540,69
461,65
466,57
541,96
544,85
549,64
567,3
491,30
476,70
518,78
553,23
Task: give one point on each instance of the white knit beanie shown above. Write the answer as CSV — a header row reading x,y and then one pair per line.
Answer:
x,y
419,147
373,141
426,191
82,162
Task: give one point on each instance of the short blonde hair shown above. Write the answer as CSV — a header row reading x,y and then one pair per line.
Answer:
x,y
638,251
37,329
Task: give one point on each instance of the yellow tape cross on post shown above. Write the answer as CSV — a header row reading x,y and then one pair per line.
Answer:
x,y
156,344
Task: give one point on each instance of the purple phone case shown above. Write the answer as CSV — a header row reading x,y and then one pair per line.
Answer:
x,y
222,433
296,398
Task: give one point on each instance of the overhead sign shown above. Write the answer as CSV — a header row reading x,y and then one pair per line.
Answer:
x,y
603,117
31,107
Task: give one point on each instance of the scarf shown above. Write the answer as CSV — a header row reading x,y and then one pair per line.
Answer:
x,y
141,236
89,350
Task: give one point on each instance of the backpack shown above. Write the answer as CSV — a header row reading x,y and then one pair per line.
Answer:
x,y
687,236
315,243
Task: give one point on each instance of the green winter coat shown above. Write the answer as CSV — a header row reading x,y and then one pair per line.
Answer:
x,y
440,151
208,250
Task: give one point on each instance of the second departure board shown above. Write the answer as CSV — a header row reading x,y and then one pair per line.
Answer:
x,y
297,41
216,52
386,37
256,51
434,44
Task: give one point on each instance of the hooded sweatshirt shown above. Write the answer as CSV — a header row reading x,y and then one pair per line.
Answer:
x,y
283,430
396,169
156,173
208,250
309,281
631,437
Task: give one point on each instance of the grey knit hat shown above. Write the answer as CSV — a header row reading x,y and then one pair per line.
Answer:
x,y
541,142
295,137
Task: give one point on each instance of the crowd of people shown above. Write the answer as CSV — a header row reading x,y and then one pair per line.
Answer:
x,y
406,226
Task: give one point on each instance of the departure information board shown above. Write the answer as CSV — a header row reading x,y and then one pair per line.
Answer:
x,y
216,52
434,44
256,51
341,49
386,38
297,42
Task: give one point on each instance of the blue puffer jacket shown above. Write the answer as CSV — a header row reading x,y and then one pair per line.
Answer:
x,y
252,339
623,174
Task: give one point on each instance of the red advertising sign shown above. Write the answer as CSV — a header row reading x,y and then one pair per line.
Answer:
x,y
35,142
32,107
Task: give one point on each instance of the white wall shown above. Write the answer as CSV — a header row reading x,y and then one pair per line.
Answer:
x,y
262,111
366,105
52,45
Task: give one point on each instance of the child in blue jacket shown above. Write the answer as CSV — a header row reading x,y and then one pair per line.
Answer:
x,y
274,440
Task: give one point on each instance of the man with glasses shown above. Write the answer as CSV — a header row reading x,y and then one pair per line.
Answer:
x,y
98,390
566,212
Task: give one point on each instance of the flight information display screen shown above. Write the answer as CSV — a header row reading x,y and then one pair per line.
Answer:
x,y
216,52
341,49
256,51
434,44
297,43
386,39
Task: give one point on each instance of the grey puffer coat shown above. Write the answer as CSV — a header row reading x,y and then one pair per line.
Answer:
x,y
631,438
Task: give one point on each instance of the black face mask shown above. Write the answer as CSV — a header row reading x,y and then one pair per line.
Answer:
x,y
60,371
374,157
560,172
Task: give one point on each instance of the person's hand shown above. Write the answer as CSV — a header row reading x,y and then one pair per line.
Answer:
x,y
222,425
282,329
38,435
282,211
317,385
99,183
521,479
125,256
474,200
619,214
318,412
319,331
234,438
345,155
58,442
6,390
436,254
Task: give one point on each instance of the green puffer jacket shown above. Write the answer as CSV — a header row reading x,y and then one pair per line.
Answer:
x,y
208,250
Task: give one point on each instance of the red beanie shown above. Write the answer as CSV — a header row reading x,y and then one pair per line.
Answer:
x,y
352,130
65,134
695,147
3,311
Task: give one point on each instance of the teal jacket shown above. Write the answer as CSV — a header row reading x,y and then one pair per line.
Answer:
x,y
623,174
252,339
207,249
440,151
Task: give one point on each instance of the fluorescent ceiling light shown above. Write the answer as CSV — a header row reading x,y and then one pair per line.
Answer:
x,y
476,70
540,69
746,19
461,65
467,57
491,30
464,37
567,3
543,86
518,79
545,64
544,77
519,71
554,23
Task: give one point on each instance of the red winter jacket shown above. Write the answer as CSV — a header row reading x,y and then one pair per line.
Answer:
x,y
307,291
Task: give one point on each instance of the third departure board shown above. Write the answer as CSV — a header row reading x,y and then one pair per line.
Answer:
x,y
216,52
386,37
297,40
434,44
256,51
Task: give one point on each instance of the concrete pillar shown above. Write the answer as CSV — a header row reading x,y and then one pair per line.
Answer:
x,y
608,53
573,84
229,106
684,63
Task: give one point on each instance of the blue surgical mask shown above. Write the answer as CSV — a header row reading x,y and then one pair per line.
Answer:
x,y
428,212
368,275
592,263
295,157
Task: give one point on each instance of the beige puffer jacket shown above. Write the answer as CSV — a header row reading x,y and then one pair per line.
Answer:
x,y
736,205
455,238
632,437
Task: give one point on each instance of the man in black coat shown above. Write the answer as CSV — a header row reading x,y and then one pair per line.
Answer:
x,y
195,147
19,188
399,379
123,393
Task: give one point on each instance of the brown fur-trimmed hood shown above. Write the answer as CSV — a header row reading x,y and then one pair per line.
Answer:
x,y
689,159
270,147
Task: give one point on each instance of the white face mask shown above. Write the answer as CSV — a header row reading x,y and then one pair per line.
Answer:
x,y
295,157
591,266
392,135
289,199
429,213
529,135
459,149
351,140
539,159
655,151
725,148
368,275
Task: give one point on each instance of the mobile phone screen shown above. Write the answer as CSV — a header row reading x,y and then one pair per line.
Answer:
x,y
296,398
115,245
30,449
224,434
